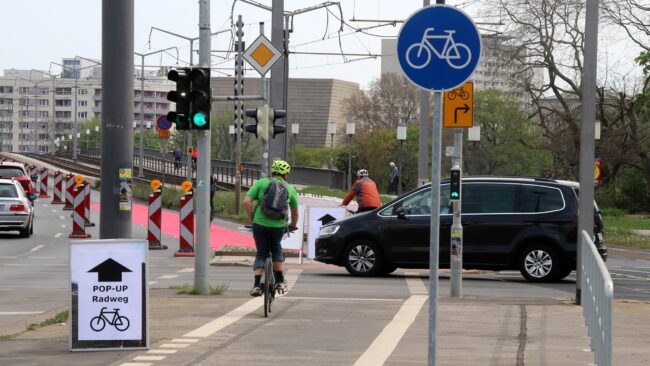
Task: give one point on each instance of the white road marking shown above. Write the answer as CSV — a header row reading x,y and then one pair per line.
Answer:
x,y
38,247
45,205
167,277
356,299
382,347
174,345
8,257
136,364
62,218
63,226
234,315
631,270
35,257
149,358
153,282
634,289
416,285
631,277
185,340
58,235
54,211
186,270
20,312
164,351
626,250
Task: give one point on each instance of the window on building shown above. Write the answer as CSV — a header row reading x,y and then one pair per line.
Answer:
x,y
63,103
63,91
43,113
6,89
43,102
23,137
44,91
83,91
83,103
83,115
23,125
63,114
43,126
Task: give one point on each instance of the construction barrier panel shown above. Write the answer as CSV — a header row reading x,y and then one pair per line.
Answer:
x,y
187,226
78,216
57,191
69,187
43,178
87,205
154,233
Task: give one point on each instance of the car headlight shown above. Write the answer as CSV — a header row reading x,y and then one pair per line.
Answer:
x,y
328,230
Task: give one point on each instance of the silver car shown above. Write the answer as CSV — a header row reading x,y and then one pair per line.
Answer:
x,y
16,210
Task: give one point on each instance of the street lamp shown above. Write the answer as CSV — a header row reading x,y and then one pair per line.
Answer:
x,y
349,130
295,129
401,136
331,130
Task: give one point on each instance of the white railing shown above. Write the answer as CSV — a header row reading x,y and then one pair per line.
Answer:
x,y
596,299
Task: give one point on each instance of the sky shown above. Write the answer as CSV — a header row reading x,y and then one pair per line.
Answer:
x,y
44,31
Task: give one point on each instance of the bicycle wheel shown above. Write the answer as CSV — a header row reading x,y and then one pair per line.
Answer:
x,y
417,60
268,284
122,323
97,323
458,55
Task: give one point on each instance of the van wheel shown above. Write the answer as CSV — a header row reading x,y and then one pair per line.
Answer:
x,y
363,258
539,263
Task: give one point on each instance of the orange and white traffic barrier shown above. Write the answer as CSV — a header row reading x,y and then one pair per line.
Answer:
x,y
87,205
57,191
79,214
154,233
187,226
69,187
43,178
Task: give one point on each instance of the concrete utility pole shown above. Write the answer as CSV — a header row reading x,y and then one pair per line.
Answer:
x,y
265,161
587,133
202,190
278,145
423,142
117,115
239,110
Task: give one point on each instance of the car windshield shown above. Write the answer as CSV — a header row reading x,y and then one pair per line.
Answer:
x,y
10,172
8,191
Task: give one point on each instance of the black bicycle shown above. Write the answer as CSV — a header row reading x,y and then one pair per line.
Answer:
x,y
269,286
120,322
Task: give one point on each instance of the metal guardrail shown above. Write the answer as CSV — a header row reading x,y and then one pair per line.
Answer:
x,y
596,299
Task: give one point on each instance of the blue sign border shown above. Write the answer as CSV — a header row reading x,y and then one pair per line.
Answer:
x,y
436,74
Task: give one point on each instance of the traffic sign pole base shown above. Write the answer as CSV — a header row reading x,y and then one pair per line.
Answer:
x,y
68,208
87,224
184,254
57,203
43,196
79,236
157,246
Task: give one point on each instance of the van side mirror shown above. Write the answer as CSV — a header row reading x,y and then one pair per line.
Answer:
x,y
401,213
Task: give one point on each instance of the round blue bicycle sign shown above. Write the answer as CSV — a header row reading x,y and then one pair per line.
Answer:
x,y
438,47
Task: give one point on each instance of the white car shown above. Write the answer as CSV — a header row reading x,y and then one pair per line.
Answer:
x,y
16,210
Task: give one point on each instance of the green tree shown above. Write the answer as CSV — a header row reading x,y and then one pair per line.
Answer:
x,y
223,144
510,144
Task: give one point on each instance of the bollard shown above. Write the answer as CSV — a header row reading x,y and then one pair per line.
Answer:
x,y
69,187
43,183
186,216
87,221
78,216
154,234
57,191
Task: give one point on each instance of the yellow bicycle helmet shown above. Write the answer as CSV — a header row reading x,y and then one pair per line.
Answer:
x,y
280,167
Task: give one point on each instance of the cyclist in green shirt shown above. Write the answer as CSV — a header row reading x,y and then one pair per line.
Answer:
x,y
268,231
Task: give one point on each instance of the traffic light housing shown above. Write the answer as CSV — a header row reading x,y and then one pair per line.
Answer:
x,y
455,183
252,128
200,98
180,96
276,114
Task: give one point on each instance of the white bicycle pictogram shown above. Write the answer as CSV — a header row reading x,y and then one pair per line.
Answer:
x,y
457,55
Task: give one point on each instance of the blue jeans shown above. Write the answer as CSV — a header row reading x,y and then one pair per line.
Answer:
x,y
268,242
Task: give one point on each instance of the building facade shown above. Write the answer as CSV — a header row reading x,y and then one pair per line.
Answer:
x,y
38,111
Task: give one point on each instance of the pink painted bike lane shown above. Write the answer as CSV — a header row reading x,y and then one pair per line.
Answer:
x,y
170,225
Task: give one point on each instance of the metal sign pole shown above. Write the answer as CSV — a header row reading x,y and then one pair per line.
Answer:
x,y
456,245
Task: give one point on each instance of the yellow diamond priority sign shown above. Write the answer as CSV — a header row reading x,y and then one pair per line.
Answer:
x,y
262,54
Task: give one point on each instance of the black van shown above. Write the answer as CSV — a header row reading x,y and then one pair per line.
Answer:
x,y
529,224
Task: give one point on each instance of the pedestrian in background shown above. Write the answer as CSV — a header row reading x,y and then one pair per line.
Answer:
x,y
394,178
213,190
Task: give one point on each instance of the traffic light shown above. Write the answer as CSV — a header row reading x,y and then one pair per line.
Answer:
x,y
252,128
180,96
275,114
454,183
200,98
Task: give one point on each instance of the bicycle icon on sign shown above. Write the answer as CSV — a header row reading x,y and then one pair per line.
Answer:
x,y
460,92
457,55
120,322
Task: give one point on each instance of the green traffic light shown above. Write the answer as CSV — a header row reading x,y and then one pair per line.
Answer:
x,y
199,119
454,194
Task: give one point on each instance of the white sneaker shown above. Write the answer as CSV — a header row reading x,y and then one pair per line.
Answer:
x,y
256,291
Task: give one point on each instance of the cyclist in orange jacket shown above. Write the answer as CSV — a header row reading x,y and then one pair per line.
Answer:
x,y
365,191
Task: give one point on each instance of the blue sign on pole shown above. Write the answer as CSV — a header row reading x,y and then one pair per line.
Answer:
x,y
163,123
438,47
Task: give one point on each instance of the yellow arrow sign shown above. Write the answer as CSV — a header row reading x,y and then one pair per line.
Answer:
x,y
78,180
155,184
458,108
186,186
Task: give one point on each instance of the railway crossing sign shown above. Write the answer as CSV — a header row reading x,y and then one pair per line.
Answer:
x,y
262,54
438,47
458,106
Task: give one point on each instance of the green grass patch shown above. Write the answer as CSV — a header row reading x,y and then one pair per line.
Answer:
x,y
619,228
188,289
59,318
224,205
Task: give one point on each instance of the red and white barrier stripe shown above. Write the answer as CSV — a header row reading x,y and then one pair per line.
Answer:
x,y
43,177
154,234
187,226
57,191
78,216
69,187
87,205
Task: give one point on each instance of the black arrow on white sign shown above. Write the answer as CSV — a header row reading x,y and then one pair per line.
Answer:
x,y
109,271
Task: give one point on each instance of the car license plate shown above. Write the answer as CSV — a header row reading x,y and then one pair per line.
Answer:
x,y
2,207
